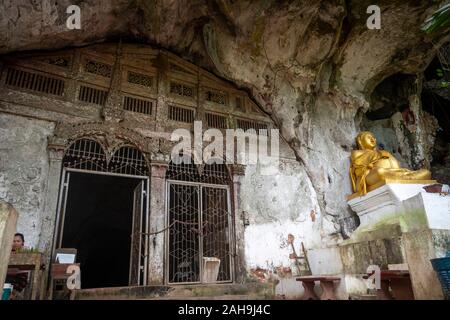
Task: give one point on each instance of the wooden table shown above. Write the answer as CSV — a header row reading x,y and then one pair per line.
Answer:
x,y
28,262
398,281
326,283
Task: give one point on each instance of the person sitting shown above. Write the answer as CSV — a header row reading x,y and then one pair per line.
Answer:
x,y
18,242
14,276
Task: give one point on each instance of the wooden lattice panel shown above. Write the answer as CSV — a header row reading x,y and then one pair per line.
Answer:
x,y
35,82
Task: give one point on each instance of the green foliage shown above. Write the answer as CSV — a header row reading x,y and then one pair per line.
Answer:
x,y
438,20
444,83
27,250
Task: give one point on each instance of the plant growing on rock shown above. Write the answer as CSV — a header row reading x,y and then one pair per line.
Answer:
x,y
439,20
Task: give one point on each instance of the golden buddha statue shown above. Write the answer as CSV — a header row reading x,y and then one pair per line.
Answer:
x,y
371,168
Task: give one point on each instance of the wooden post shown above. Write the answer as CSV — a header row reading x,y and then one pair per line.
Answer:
x,y
8,222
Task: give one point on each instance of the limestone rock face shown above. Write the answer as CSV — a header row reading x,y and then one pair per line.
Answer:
x,y
310,65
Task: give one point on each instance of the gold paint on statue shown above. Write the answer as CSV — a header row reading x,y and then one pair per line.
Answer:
x,y
372,168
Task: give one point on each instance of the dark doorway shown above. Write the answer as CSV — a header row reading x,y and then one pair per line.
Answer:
x,y
98,223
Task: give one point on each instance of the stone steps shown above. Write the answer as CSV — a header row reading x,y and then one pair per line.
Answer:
x,y
362,297
212,291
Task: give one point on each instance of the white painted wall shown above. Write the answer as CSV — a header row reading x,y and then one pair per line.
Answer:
x,y
278,205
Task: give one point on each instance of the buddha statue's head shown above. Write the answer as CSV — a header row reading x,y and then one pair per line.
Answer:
x,y
366,140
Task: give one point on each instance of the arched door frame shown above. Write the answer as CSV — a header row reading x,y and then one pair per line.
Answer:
x,y
111,137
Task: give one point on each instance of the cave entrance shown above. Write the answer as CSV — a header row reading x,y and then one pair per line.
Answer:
x,y
103,213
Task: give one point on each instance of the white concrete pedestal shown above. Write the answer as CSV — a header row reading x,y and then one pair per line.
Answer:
x,y
383,203
406,220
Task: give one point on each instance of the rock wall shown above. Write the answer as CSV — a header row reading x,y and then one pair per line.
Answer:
x,y
23,171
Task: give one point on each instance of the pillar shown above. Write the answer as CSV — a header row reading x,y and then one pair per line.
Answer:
x,y
238,172
157,223
47,236
51,201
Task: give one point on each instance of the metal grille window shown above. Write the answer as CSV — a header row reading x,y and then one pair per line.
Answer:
x,y
215,174
199,218
140,79
92,95
182,89
248,124
98,68
210,173
183,172
87,154
128,160
34,82
137,105
216,121
181,114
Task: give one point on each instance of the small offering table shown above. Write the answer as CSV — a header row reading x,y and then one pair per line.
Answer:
x,y
398,281
326,283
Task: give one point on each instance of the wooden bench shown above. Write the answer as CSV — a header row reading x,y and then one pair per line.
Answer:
x,y
326,283
398,281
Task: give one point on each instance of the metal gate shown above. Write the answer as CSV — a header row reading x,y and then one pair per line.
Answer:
x,y
88,156
199,220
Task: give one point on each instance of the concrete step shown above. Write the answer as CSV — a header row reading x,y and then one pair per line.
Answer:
x,y
212,291
362,297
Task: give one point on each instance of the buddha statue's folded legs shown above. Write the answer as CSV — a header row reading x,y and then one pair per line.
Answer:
x,y
377,175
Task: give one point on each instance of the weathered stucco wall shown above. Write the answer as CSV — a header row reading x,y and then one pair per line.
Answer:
x,y
278,205
24,169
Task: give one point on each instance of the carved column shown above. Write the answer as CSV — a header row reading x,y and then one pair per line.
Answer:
x,y
238,172
113,111
200,114
48,231
157,223
163,91
56,154
71,93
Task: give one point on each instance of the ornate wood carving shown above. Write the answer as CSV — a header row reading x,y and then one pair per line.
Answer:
x,y
113,110
111,135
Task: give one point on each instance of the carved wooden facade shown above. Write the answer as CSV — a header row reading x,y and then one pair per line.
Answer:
x,y
126,95
121,90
